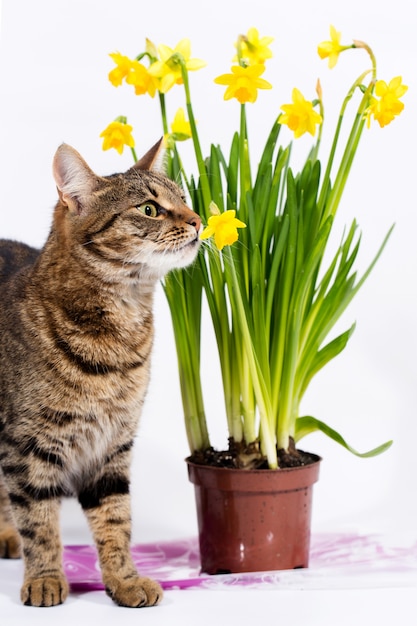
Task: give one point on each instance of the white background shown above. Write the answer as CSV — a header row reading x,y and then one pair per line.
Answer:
x,y
54,88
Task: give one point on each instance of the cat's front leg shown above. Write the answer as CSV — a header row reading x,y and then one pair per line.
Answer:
x,y
107,506
10,545
38,523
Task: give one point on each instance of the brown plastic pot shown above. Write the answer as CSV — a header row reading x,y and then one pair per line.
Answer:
x,y
253,520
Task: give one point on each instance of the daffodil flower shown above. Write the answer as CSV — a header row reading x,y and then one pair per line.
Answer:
x,y
180,127
180,130
387,104
122,69
300,116
331,49
168,68
141,79
117,135
243,83
252,49
224,228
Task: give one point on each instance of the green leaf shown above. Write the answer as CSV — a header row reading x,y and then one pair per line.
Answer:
x,y
306,425
215,179
310,366
270,144
232,175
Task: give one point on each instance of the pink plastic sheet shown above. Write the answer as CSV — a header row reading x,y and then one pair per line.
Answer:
x,y
336,561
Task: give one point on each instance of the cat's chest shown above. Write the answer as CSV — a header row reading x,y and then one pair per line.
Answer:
x,y
90,446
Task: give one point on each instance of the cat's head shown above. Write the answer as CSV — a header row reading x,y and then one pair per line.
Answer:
x,y
135,221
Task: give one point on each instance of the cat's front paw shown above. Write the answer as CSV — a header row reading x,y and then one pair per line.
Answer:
x,y
135,592
10,545
45,591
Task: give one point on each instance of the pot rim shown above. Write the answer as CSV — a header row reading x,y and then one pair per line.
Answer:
x,y
257,480
317,459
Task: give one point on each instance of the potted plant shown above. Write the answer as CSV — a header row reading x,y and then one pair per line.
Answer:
x,y
273,289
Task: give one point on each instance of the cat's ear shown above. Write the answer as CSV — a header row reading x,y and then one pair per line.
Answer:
x,y
75,181
153,159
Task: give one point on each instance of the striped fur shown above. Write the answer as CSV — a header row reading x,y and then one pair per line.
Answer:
x,y
76,336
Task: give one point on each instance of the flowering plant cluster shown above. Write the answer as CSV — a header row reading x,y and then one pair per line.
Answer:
x,y
272,302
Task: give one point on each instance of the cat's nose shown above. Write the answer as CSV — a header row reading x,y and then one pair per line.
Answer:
x,y
195,221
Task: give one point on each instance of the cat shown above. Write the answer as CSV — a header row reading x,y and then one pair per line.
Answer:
x,y
76,332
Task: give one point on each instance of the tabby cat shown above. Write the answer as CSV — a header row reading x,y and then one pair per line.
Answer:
x,y
76,335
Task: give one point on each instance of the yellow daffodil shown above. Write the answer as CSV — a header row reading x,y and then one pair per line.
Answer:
x,y
141,79
122,69
117,135
168,68
180,130
331,49
180,127
252,49
224,228
300,116
243,83
387,104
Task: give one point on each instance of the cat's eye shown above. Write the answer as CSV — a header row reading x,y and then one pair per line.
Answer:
x,y
148,209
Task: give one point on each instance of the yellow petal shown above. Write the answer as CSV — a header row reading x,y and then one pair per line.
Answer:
x,y
207,232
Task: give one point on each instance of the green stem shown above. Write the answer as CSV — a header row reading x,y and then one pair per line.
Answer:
x,y
362,45
245,178
348,156
205,187
188,365
262,397
286,280
326,178
233,391
248,403
245,186
163,112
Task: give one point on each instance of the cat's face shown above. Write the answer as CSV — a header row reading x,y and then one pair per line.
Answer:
x,y
137,221
140,218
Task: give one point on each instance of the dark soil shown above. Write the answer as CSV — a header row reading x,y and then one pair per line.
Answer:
x,y
242,456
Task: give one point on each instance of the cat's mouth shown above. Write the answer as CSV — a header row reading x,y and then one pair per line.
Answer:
x,y
194,242
186,253
182,246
